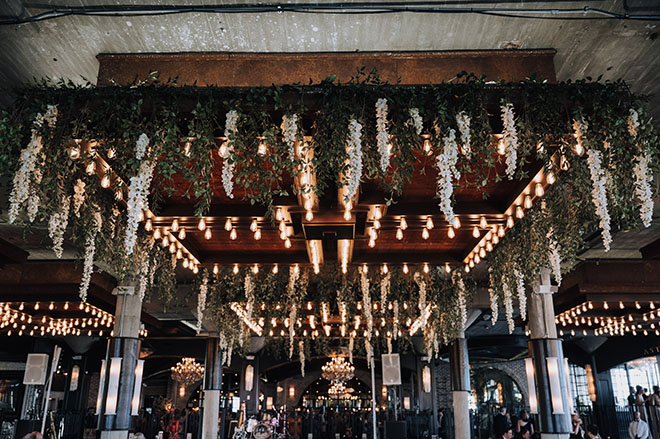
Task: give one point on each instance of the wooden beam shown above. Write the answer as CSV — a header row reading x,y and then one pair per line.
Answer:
x,y
652,250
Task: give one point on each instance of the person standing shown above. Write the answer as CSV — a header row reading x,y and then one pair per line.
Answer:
x,y
632,399
524,424
576,432
639,401
638,429
501,423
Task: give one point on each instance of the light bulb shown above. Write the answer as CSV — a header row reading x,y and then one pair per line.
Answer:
x,y
483,223
257,235
528,202
255,268
427,146
91,168
399,233
429,223
477,259
372,243
347,215
425,233
538,191
385,269
376,224
450,233
228,225
175,225
182,234
207,234
551,178
179,254
405,268
172,248
509,223
105,181
475,232
377,213
51,306
235,269
482,253
426,268
148,226
278,214
309,215
233,235
404,224
185,263
287,243
74,153
519,212
275,269
262,148
254,226
501,149
456,223
578,148
201,225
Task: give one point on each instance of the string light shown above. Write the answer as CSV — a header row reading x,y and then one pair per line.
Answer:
x,y
175,225
483,223
403,224
450,233
399,233
228,225
105,181
201,225
528,202
475,232
425,233
429,223
551,178
233,235
207,234
287,243
254,226
182,234
538,191
257,234
405,268
456,223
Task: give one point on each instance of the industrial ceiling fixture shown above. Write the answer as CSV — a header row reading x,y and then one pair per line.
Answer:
x,y
187,371
338,370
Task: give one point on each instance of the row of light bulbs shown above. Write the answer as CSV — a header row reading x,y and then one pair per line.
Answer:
x,y
583,307
385,268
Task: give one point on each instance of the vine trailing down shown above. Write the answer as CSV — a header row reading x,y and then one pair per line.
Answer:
x,y
57,140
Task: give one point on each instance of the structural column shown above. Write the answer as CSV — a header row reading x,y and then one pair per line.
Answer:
x,y
212,387
120,366
554,417
460,386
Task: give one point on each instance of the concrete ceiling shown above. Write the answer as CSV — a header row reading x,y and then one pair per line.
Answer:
x,y
66,47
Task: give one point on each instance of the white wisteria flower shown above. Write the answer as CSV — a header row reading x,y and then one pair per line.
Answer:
x,y
57,226
494,307
78,197
138,201
33,201
416,120
366,303
421,283
143,281
509,139
462,305
90,250
201,302
354,151
141,146
508,305
643,179
382,136
289,133
301,352
633,122
395,324
293,313
463,122
522,297
351,345
227,165
554,256
447,171
599,194
249,295
369,350
227,348
384,291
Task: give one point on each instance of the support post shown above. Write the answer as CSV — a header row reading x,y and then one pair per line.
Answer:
x,y
547,354
460,385
212,387
374,419
115,415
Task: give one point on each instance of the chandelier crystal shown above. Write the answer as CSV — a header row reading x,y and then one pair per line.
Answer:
x,y
337,388
187,371
337,370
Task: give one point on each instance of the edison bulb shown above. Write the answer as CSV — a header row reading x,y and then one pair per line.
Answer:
x,y
399,234
450,233
233,234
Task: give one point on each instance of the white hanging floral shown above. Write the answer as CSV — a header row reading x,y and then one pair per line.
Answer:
x,y
141,146
554,256
494,307
369,350
227,347
28,175
78,197
522,297
416,120
354,151
508,304
248,284
463,122
90,249
143,278
290,132
382,137
201,302
421,283
509,139
395,325
389,345
228,167
633,122
599,195
366,303
643,189
293,313
447,171
301,352
384,291
351,345
57,226
138,201
462,302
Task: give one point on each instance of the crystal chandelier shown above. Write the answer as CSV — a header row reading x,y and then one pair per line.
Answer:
x,y
337,370
187,371
337,388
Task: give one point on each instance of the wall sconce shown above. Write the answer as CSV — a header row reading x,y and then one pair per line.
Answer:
x,y
531,385
99,398
591,383
292,392
182,391
135,403
113,386
75,375
569,393
426,378
406,402
249,378
555,385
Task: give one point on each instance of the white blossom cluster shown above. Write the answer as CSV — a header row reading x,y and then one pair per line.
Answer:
x,y
463,122
201,302
510,139
508,305
366,303
416,120
384,291
494,308
421,283
293,313
643,190
395,325
227,347
301,352
462,305
389,344
351,345
369,350
633,122
138,201
57,226
354,150
90,249
248,284
143,274
290,132
599,194
554,256
141,146
28,175
522,297
78,197
447,171
382,137
227,166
